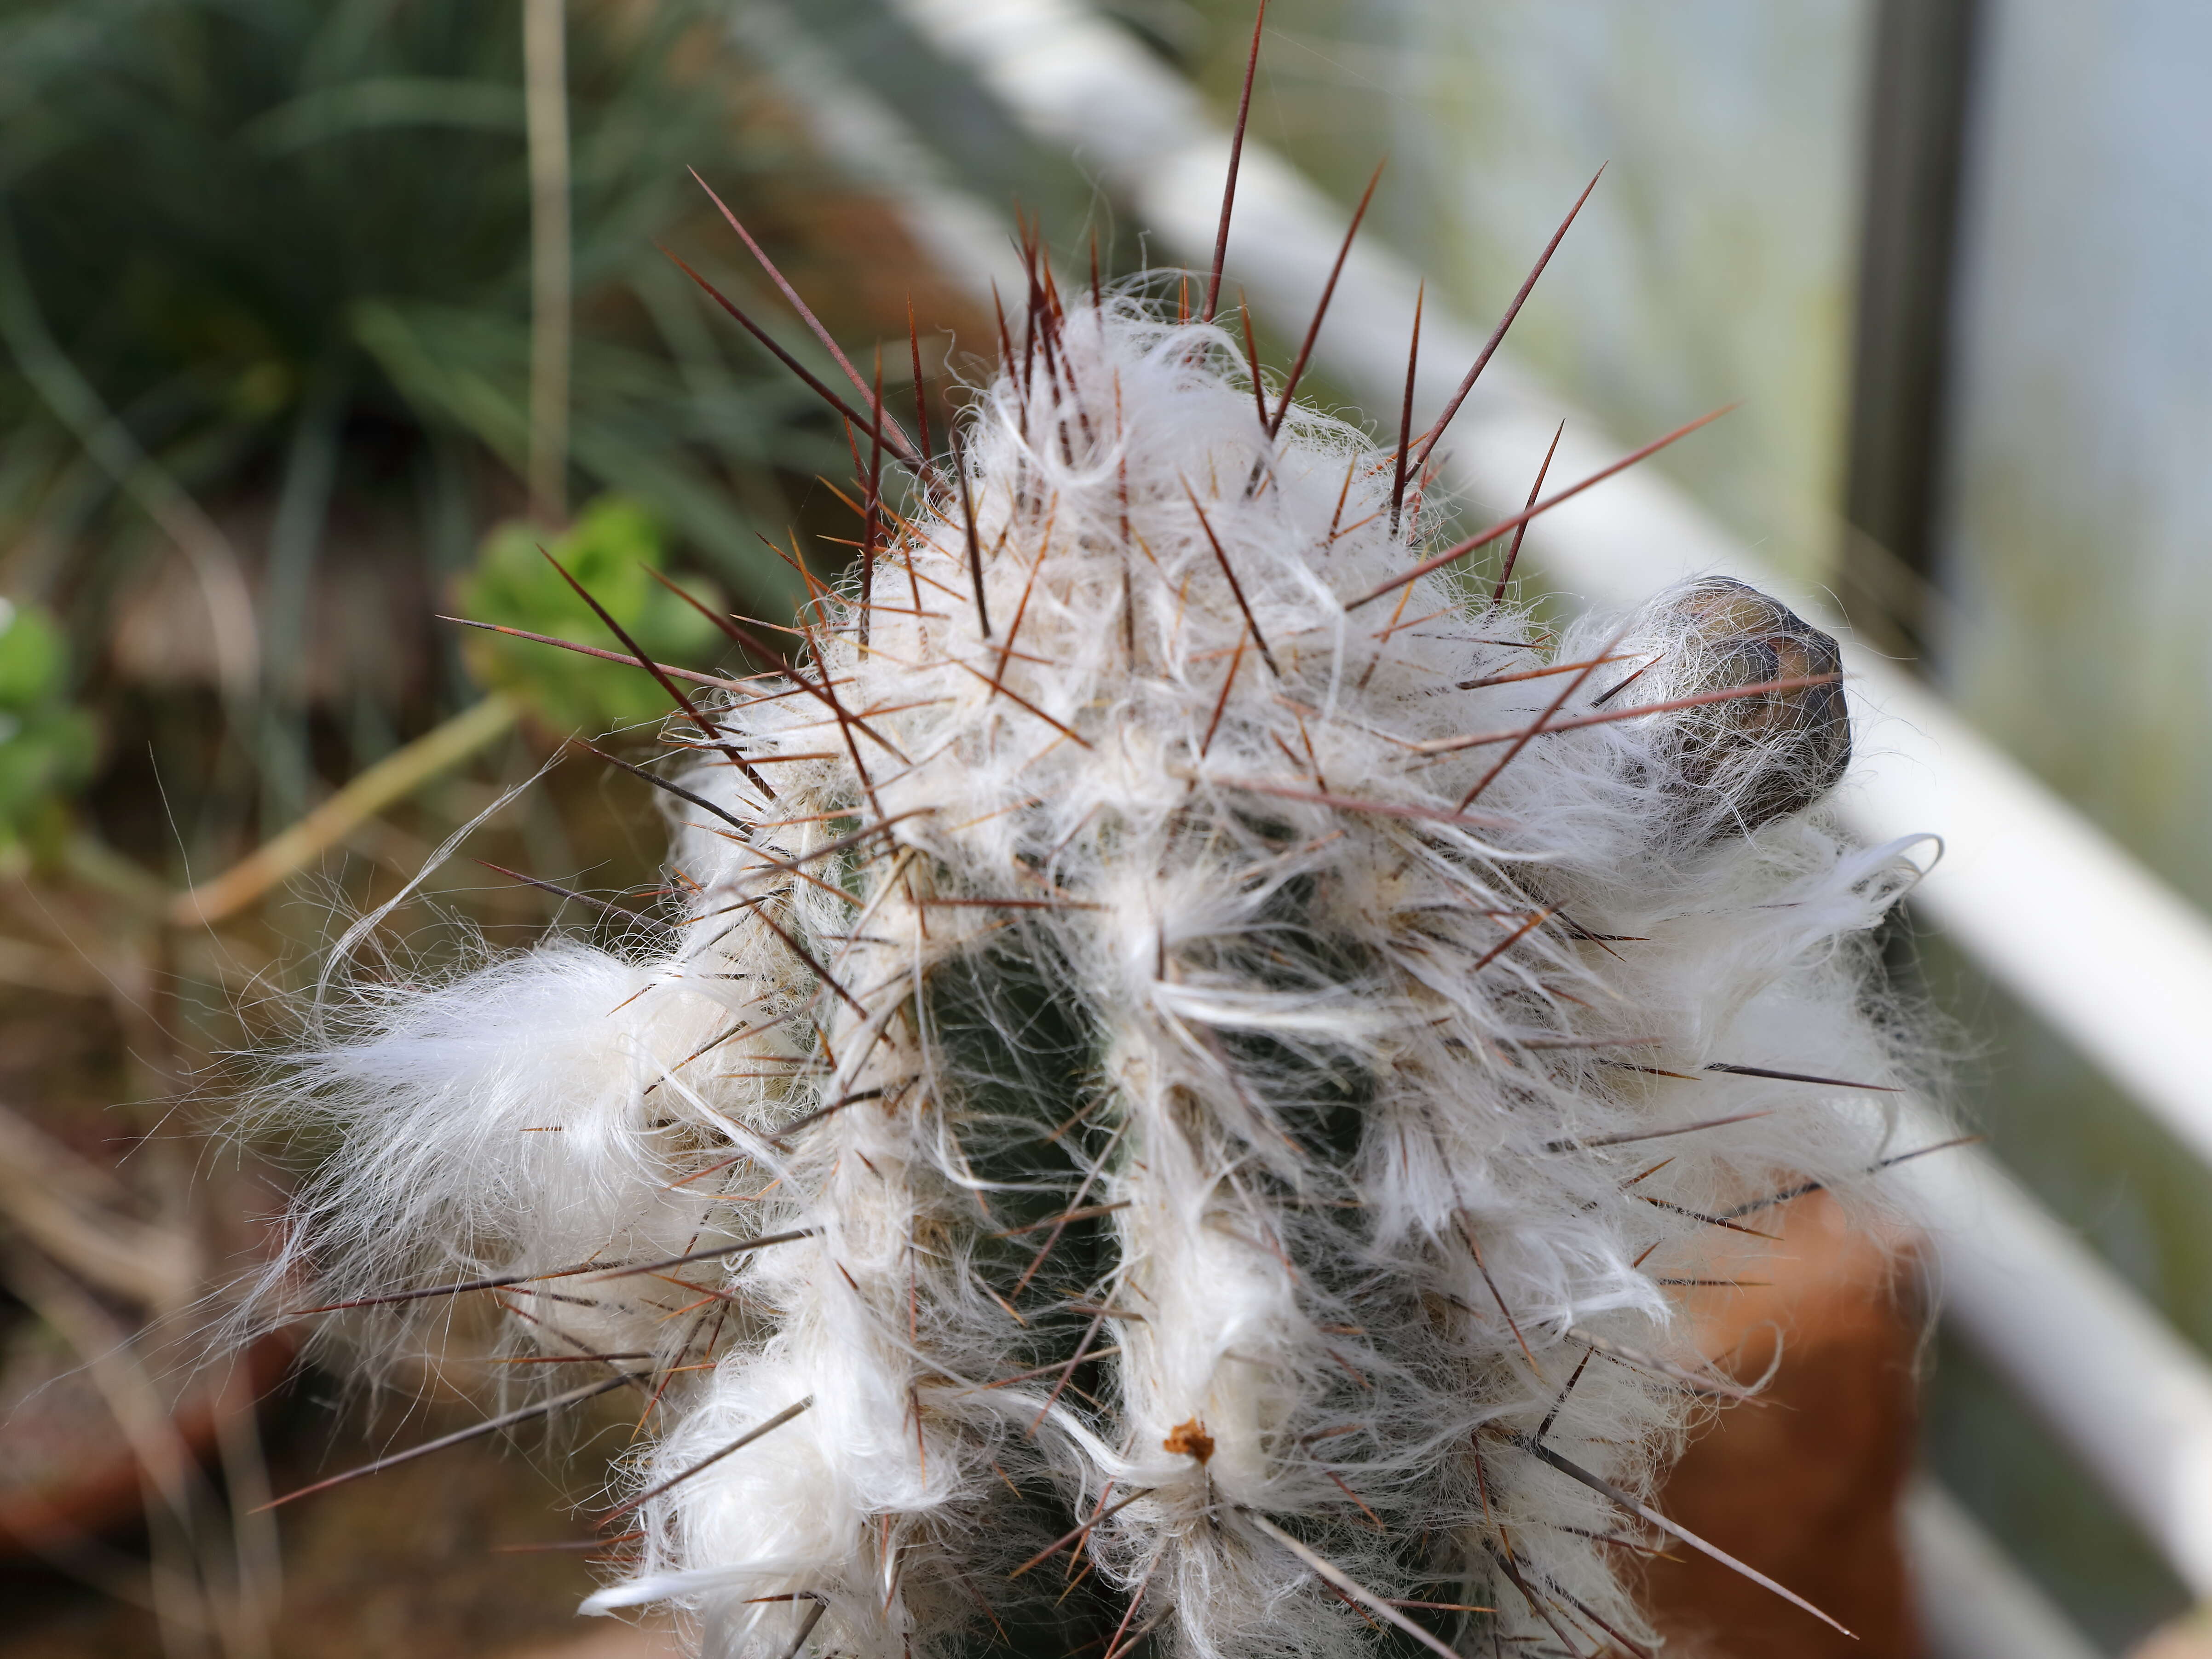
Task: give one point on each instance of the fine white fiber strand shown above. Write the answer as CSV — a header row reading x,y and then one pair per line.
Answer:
x,y
1202,1080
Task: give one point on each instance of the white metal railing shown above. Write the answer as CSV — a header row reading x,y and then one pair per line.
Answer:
x,y
1972,1603
2122,965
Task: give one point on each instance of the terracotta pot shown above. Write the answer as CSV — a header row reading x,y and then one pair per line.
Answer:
x,y
67,1470
109,1362
1805,1485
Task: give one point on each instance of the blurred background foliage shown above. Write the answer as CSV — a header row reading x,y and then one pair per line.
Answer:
x,y
265,282
614,551
270,323
46,741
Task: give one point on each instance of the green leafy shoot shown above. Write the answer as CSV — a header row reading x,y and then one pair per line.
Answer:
x,y
47,742
612,549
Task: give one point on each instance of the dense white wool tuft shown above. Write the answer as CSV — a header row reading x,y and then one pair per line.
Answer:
x,y
1210,1050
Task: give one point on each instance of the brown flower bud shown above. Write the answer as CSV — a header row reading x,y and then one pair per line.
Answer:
x,y
1735,764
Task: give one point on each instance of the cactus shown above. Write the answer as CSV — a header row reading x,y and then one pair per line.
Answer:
x,y
1193,1043
1156,1059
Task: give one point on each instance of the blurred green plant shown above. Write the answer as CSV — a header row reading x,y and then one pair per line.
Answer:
x,y
47,742
612,549
278,251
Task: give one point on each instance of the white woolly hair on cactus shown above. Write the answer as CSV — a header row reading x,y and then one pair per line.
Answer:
x,y
1182,1090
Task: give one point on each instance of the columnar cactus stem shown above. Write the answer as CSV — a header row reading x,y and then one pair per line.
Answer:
x,y
1233,1075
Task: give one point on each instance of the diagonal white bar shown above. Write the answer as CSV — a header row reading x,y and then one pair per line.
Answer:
x,y
2078,1345
1973,1603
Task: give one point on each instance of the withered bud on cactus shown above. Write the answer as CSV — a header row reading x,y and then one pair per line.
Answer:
x,y
1739,763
